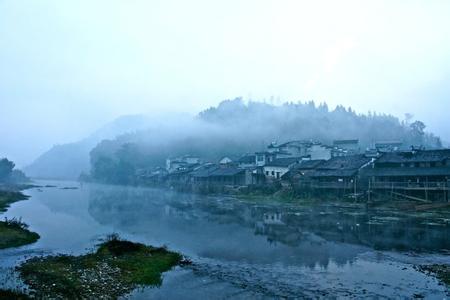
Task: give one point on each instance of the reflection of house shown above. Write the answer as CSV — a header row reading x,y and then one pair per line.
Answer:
x,y
280,166
339,172
273,218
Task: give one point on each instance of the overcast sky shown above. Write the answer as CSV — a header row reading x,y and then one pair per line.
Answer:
x,y
68,67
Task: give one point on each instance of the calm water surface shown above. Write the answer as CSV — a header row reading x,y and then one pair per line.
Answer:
x,y
241,250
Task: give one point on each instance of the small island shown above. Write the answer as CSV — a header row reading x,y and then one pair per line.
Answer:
x,y
15,233
115,269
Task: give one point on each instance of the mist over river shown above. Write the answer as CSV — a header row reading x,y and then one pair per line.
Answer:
x,y
241,249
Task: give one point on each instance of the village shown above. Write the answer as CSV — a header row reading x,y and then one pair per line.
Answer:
x,y
389,170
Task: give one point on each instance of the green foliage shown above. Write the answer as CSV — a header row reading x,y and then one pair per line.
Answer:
x,y
6,167
117,267
14,233
12,295
9,197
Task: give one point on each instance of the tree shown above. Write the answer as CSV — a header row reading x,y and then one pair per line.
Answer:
x,y
6,167
418,128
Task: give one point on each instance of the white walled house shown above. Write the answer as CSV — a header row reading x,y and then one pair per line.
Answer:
x,y
279,167
263,158
319,152
225,160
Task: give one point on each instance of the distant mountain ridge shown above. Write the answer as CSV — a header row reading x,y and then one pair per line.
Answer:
x,y
68,161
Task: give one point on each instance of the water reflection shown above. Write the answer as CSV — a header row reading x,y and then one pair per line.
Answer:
x,y
216,227
242,250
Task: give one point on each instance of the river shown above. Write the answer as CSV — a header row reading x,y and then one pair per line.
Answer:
x,y
239,249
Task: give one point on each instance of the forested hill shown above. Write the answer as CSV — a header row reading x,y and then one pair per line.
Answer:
x,y
235,127
308,121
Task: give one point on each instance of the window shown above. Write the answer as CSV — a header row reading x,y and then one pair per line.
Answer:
x,y
278,174
273,173
260,157
267,173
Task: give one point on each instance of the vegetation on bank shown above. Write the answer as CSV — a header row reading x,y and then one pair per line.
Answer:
x,y
441,272
9,197
116,268
12,295
15,233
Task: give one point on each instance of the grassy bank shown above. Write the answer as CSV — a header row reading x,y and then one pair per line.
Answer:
x,y
12,295
441,272
15,233
9,197
116,268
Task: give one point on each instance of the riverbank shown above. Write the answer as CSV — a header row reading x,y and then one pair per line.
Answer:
x,y
12,295
15,233
441,272
115,269
8,197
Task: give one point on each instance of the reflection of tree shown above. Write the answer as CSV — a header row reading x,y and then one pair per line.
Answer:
x,y
307,237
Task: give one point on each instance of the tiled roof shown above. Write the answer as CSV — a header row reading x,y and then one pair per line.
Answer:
x,y
284,162
407,172
350,162
229,171
416,156
247,159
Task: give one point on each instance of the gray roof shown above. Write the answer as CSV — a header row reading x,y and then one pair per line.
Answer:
x,y
309,164
284,162
247,159
228,171
350,162
343,166
204,171
415,156
333,173
345,142
407,172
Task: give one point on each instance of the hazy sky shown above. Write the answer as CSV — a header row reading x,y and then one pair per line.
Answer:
x,y
68,67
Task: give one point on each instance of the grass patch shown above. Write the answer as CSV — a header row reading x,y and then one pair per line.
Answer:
x,y
441,272
12,295
15,233
116,268
9,197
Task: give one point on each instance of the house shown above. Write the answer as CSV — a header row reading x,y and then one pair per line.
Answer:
x,y
221,175
231,176
179,163
317,151
300,171
339,172
247,161
388,146
345,147
280,166
201,174
290,149
265,157
225,160
416,168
